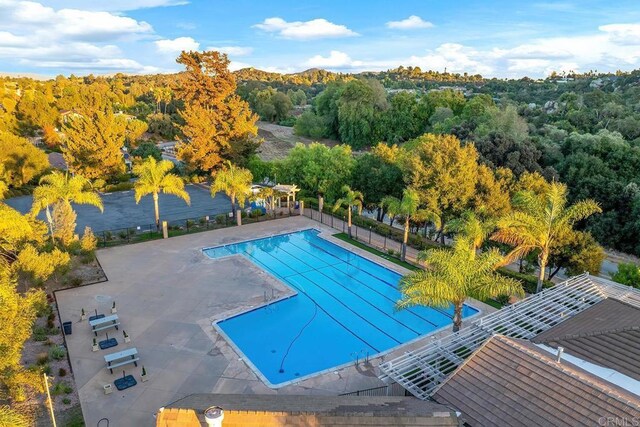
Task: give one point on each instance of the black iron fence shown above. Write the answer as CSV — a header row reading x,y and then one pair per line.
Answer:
x,y
394,389
178,227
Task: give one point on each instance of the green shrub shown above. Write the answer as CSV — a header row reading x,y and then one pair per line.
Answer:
x,y
529,282
57,353
627,274
46,369
60,387
39,333
122,186
66,401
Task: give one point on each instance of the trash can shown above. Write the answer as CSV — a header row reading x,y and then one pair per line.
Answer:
x,y
66,326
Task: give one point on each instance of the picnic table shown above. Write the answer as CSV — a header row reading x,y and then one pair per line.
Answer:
x,y
121,358
104,323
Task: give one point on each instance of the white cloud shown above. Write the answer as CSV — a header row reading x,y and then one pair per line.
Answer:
x,y
233,50
35,18
623,33
35,35
411,23
177,45
454,58
335,60
298,30
113,5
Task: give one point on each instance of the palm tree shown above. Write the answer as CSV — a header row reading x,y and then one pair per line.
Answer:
x,y
454,274
154,178
407,207
538,221
351,198
61,190
472,228
235,182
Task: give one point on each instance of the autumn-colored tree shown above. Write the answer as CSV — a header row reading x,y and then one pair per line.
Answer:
x,y
154,178
235,182
21,240
134,130
60,190
93,142
50,136
539,221
214,116
22,161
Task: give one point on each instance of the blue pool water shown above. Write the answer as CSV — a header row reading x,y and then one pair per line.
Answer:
x,y
344,309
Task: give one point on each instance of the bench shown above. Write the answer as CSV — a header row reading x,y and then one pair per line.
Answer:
x,y
104,323
121,358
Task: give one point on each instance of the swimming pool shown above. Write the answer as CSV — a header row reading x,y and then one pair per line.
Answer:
x,y
344,309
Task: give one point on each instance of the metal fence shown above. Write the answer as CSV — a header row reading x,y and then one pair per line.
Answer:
x,y
381,239
393,389
178,227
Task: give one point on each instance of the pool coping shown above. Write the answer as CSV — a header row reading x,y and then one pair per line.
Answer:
x,y
214,321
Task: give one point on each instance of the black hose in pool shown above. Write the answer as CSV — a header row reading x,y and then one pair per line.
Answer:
x,y
315,311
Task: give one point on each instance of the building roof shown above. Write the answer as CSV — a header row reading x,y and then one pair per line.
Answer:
x,y
512,382
239,409
421,370
607,334
177,418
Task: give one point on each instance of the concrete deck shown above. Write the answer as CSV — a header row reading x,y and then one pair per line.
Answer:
x,y
166,293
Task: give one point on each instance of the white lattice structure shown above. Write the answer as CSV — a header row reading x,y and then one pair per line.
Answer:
x,y
421,371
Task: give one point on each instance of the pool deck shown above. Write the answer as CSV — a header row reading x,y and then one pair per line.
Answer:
x,y
167,293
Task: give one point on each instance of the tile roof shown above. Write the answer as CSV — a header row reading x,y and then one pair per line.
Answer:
x,y
511,382
607,334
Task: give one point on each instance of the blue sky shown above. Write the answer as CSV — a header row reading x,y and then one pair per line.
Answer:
x,y
493,38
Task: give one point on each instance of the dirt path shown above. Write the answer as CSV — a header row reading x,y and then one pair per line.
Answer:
x,y
279,140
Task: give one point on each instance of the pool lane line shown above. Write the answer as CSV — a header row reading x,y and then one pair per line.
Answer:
x,y
278,276
384,282
357,296
443,312
333,296
395,288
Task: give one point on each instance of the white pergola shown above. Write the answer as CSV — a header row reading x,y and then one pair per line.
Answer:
x,y
421,371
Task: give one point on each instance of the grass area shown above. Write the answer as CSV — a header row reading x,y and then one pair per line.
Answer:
x,y
345,238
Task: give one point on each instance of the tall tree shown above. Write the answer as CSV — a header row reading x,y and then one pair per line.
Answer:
x,y
538,221
21,160
407,207
59,190
443,172
22,241
318,169
376,177
154,178
350,199
235,182
214,116
454,274
93,142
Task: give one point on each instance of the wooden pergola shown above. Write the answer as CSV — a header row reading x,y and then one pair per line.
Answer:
x,y
288,191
